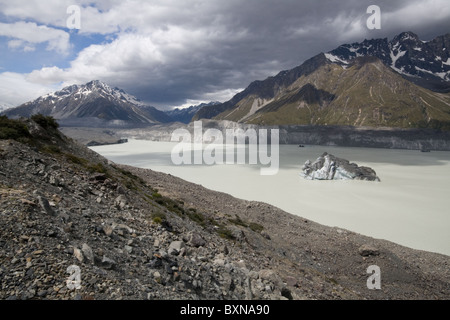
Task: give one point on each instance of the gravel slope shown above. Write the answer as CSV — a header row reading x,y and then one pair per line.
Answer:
x,y
139,234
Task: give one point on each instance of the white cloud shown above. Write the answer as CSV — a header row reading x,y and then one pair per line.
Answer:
x,y
124,57
20,44
110,16
49,12
415,15
170,51
131,55
16,88
220,95
28,34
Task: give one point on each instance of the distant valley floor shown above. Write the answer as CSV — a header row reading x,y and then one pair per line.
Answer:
x,y
343,136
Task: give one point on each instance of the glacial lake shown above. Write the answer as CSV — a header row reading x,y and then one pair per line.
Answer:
x,y
410,206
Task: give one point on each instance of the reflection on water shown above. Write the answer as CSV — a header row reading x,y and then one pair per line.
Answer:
x,y
409,206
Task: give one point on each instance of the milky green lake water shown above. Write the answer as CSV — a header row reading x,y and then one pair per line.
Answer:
x,y
410,206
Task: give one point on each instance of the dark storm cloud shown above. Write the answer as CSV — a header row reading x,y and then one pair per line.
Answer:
x,y
265,37
170,52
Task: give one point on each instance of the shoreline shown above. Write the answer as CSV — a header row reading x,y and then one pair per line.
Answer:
x,y
343,197
302,244
343,136
141,234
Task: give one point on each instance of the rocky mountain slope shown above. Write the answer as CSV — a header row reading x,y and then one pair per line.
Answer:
x,y
138,234
366,93
357,85
91,105
263,91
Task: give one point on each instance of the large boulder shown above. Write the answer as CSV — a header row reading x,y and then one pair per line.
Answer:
x,y
330,167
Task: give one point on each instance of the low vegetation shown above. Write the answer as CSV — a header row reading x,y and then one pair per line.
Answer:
x,y
46,122
76,160
12,129
197,217
158,217
98,168
52,149
225,233
251,225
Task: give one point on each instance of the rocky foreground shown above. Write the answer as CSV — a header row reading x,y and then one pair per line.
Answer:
x,y
137,234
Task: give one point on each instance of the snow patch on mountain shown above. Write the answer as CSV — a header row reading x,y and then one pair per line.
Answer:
x,y
442,75
334,59
394,58
5,106
426,63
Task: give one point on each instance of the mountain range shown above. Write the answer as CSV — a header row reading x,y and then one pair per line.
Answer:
x,y
402,83
185,115
97,104
378,83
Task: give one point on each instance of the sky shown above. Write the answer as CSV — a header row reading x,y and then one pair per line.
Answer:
x,y
171,53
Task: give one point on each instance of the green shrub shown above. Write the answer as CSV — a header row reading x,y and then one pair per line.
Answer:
x,y
157,220
75,159
238,221
130,185
256,227
12,129
225,233
252,225
130,175
100,168
51,149
156,195
45,122
170,204
196,217
158,217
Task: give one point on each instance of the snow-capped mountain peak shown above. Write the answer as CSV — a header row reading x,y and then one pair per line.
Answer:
x,y
426,63
91,89
90,104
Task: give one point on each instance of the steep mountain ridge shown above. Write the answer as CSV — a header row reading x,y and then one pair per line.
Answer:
x,y
364,93
363,84
263,90
426,63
